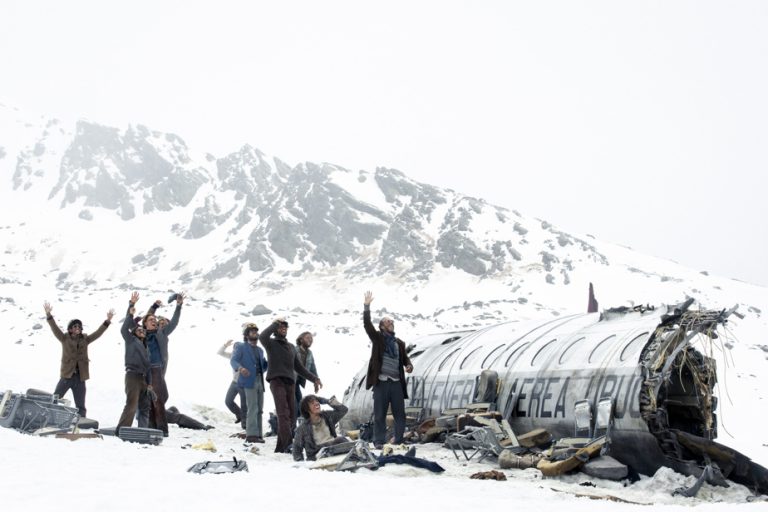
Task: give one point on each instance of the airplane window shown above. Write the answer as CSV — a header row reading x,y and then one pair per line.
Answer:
x,y
518,351
633,346
448,357
569,350
601,348
540,354
486,363
464,361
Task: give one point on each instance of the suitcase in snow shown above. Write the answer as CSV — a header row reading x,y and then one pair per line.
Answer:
x,y
136,434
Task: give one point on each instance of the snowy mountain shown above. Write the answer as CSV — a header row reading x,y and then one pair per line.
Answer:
x,y
246,221
91,213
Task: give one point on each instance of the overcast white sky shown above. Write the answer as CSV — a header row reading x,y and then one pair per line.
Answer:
x,y
641,123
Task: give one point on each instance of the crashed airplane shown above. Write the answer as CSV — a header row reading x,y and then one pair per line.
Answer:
x,y
638,364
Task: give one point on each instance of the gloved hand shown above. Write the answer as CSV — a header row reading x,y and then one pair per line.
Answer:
x,y
333,401
322,400
152,395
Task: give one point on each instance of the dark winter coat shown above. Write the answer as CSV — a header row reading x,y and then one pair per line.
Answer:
x,y
136,356
303,440
162,334
377,354
282,356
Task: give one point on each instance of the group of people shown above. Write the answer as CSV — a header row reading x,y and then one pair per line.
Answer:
x,y
281,365
285,368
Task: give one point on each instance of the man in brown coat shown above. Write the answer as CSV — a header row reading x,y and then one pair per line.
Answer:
x,y
74,356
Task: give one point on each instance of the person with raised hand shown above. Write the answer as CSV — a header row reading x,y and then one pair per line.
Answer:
x,y
385,374
138,378
74,369
284,364
319,427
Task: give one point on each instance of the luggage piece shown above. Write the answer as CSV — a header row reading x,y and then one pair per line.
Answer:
x,y
87,423
536,437
219,466
135,434
606,467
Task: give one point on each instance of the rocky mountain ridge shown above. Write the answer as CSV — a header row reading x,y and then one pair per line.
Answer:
x,y
253,223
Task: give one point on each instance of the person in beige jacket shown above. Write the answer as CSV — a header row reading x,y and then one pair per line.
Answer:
x,y
74,355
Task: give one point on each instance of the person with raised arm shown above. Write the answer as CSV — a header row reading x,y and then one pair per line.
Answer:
x,y
284,364
385,374
74,356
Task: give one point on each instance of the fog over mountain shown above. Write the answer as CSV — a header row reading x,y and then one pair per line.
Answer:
x,y
246,222
93,212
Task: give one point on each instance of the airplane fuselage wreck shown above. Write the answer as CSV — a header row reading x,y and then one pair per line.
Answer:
x,y
643,360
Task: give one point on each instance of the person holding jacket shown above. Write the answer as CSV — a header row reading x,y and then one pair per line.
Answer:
x,y
74,356
319,428
248,361
385,374
284,364
138,378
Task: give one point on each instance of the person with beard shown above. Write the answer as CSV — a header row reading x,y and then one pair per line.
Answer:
x,y
385,374
138,378
307,358
248,361
156,339
74,356
284,364
234,390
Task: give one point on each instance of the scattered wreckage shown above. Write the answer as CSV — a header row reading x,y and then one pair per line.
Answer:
x,y
42,413
627,383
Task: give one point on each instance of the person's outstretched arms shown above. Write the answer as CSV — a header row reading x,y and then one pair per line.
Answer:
x,y
102,328
52,323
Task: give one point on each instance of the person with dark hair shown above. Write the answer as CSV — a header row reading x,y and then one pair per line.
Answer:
x,y
318,428
161,326
138,378
385,374
248,361
303,342
234,389
152,409
74,356
284,364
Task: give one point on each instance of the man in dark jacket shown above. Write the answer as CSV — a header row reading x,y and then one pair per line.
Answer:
x,y
74,356
319,428
284,364
152,411
385,374
248,360
138,378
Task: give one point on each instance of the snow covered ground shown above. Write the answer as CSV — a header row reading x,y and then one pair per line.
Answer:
x,y
108,474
